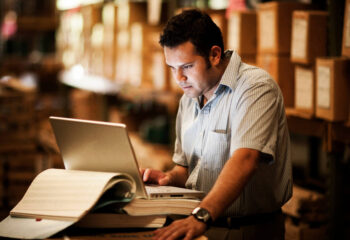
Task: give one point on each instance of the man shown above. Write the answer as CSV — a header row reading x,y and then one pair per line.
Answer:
x,y
232,140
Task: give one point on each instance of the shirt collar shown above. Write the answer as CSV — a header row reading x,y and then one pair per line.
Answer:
x,y
229,78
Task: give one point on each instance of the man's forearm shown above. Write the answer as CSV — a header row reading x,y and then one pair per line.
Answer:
x,y
231,181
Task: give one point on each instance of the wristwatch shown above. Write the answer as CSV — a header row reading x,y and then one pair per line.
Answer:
x,y
202,215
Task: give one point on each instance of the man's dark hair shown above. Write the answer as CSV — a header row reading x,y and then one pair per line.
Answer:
x,y
194,26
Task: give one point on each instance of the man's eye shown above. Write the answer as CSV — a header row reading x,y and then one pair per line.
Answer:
x,y
187,66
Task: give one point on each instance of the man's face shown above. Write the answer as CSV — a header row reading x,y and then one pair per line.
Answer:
x,y
190,70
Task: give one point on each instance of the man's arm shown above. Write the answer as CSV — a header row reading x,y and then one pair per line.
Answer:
x,y
175,177
230,183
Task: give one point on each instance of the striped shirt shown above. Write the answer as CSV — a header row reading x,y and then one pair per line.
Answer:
x,y
246,111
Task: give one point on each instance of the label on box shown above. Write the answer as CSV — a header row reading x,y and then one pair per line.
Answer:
x,y
323,86
299,38
304,88
267,29
233,32
347,27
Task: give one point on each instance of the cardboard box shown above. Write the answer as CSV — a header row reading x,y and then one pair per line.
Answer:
x,y
282,71
305,95
97,53
241,32
274,26
122,55
109,20
148,68
130,12
309,36
332,88
346,31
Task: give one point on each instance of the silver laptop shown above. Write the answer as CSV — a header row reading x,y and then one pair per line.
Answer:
x,y
104,146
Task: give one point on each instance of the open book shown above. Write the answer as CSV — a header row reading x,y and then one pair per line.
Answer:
x,y
62,197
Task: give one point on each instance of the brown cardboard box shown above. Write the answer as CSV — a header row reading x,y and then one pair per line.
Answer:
x,y
332,88
346,31
147,63
282,71
97,53
109,20
305,95
274,26
91,15
309,36
130,12
241,32
122,55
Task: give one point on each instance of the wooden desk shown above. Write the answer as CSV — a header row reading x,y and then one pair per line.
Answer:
x,y
90,234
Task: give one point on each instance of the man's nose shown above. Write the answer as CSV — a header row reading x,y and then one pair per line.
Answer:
x,y
180,77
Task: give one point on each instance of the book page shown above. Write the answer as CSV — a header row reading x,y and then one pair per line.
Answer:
x,y
299,37
63,194
267,29
304,88
323,86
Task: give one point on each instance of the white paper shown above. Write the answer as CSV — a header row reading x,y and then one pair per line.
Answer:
x,y
29,228
233,32
323,86
267,29
304,88
299,38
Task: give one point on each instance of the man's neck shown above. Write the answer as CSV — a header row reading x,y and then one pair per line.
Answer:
x,y
220,72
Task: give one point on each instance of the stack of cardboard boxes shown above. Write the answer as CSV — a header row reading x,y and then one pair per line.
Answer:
x,y
274,20
309,41
332,80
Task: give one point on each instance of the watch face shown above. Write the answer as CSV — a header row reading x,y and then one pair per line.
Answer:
x,y
202,215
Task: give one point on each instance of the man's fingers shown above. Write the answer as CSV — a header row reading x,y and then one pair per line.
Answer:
x,y
146,174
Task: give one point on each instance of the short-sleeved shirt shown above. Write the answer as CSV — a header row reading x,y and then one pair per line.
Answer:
x,y
245,111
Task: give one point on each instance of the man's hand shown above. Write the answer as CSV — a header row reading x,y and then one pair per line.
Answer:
x,y
155,176
187,228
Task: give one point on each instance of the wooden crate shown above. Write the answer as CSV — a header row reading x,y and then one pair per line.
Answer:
x,y
305,95
241,32
309,36
332,88
346,31
274,26
282,71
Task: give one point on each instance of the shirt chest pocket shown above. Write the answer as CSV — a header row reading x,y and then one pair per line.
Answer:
x,y
217,149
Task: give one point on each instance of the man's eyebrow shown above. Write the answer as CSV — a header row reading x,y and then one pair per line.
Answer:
x,y
182,65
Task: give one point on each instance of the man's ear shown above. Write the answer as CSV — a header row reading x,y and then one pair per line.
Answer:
x,y
215,55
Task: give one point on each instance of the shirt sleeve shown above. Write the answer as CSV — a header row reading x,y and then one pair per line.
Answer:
x,y
179,155
256,118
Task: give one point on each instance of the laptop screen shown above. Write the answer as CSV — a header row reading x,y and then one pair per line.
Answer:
x,y
97,146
